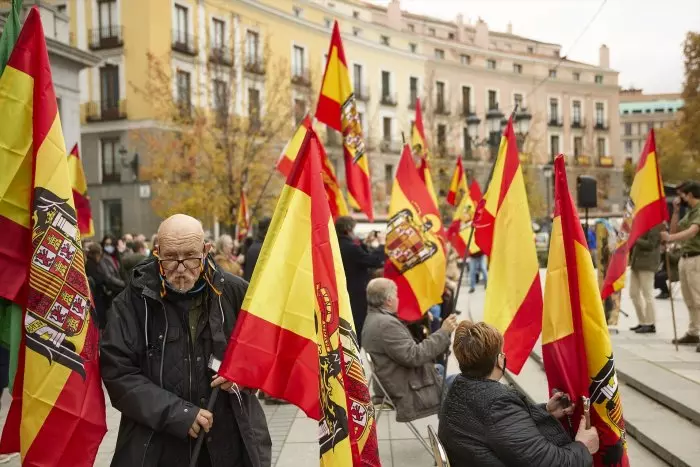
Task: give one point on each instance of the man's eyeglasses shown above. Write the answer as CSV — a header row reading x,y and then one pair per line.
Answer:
x,y
188,263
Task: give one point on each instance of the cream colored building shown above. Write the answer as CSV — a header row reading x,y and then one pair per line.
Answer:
x,y
465,74
641,112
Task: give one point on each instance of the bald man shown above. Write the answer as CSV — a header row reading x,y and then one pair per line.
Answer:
x,y
178,310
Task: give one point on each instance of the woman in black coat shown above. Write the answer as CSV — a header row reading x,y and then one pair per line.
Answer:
x,y
485,423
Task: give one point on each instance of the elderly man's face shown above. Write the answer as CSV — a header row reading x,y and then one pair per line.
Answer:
x,y
181,250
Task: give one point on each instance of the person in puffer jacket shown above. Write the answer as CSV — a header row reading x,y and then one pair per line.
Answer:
x,y
485,423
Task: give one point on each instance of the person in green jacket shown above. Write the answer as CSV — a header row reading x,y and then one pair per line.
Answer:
x,y
644,260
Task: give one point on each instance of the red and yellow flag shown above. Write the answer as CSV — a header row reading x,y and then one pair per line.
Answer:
x,y
242,217
302,337
645,209
419,147
57,416
576,350
336,200
503,230
78,182
337,109
414,243
458,184
461,227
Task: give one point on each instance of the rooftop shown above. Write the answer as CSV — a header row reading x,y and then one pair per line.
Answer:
x,y
654,106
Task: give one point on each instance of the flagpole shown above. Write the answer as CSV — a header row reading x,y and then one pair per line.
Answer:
x,y
670,296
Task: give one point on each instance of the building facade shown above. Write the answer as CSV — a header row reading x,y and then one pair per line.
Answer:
x,y
641,112
468,77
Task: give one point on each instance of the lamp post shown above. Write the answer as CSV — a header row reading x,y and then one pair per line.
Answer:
x,y
496,121
132,162
547,170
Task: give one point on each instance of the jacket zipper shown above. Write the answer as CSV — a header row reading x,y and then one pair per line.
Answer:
x,y
189,369
148,444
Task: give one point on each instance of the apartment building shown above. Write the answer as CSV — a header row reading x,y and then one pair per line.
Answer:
x,y
468,77
641,112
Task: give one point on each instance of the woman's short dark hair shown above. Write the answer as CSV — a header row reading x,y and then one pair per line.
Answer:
x,y
690,187
110,237
476,348
344,225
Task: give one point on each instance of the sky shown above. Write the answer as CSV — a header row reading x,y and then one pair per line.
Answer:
x,y
645,37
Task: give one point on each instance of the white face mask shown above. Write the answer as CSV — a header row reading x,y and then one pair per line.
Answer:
x,y
109,249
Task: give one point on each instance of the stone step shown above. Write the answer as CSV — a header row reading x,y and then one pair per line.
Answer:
x,y
657,434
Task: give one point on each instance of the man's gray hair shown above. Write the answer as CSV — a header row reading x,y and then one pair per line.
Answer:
x,y
379,291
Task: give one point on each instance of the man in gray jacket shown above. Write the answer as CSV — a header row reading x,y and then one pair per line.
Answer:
x,y
405,369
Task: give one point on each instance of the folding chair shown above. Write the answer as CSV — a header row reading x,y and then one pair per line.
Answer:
x,y
388,404
439,452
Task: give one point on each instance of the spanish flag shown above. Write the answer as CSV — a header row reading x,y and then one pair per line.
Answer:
x,y
299,344
419,146
242,217
458,184
645,209
336,200
576,350
57,416
78,182
503,231
461,227
337,109
414,243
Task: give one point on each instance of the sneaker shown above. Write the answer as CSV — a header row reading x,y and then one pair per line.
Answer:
x,y
634,328
5,458
687,339
471,290
663,296
646,329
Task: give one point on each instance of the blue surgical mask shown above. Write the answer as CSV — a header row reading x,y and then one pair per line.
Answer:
x,y
109,249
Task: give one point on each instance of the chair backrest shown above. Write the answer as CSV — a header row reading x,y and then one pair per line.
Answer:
x,y
439,452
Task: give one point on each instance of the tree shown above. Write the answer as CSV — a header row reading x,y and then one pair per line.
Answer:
x,y
529,153
204,154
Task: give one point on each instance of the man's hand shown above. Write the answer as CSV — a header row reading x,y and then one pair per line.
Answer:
x,y
556,408
450,324
665,237
677,204
204,419
221,381
588,437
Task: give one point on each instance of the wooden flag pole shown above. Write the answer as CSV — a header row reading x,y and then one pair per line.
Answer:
x,y
670,296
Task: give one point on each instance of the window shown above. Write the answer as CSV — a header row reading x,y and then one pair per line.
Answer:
x,y
600,147
628,129
413,47
465,59
598,79
451,35
107,17
254,106
181,26
577,76
599,114
554,110
386,128
299,111
388,177
298,61
491,64
412,28
386,84
252,44
218,37
439,54
578,146
328,22
431,31
356,32
517,68
628,147
440,95
357,79
553,73
384,40
183,88
466,143
493,100
356,14
518,100
112,216
110,164
442,136
361,118
466,100
297,11
413,87
554,145
109,88
577,112
220,95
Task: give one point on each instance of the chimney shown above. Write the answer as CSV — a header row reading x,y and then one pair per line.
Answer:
x,y
604,57
393,13
509,30
459,21
481,36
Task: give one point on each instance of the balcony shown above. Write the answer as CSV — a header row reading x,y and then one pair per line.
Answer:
x,y
301,77
388,99
606,161
361,93
442,109
582,161
442,150
389,145
185,44
255,66
578,124
555,121
108,37
467,111
412,101
112,177
221,55
105,111
184,110
494,111
601,125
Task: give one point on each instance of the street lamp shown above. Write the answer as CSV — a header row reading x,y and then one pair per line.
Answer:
x,y
547,170
133,163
